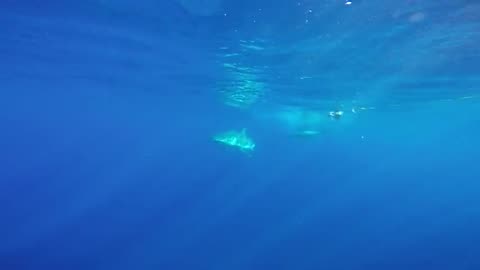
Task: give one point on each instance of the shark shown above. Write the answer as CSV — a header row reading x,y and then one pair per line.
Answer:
x,y
238,139
307,133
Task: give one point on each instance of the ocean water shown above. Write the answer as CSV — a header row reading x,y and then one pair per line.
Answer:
x,y
110,111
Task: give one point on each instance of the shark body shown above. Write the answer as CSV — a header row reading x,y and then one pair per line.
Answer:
x,y
238,139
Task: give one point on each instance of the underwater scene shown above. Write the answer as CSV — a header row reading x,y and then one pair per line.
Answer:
x,y
240,134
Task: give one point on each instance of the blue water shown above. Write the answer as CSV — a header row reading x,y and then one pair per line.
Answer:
x,y
108,110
